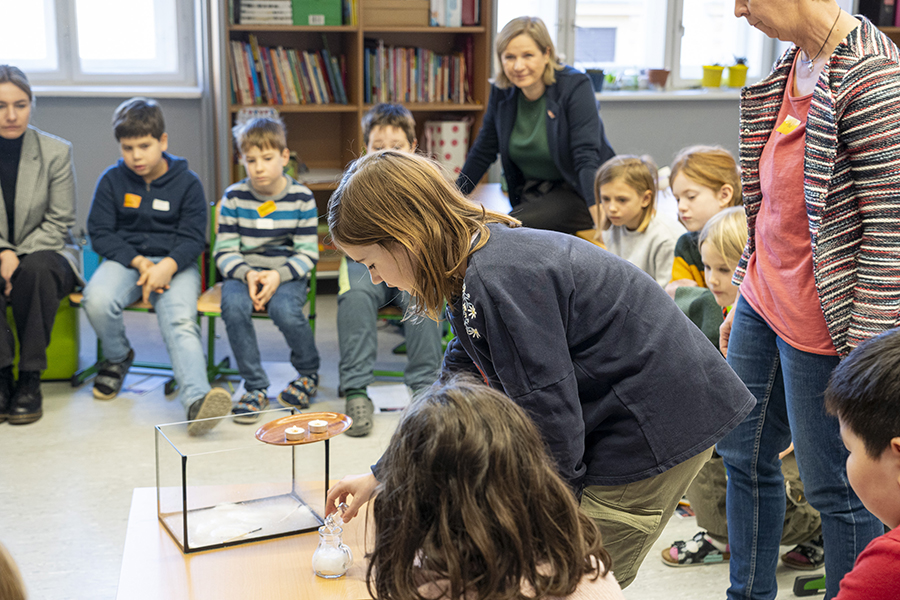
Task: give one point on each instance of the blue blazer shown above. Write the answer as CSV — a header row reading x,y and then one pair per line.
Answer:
x,y
574,133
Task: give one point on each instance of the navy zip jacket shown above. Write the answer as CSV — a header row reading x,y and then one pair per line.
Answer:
x,y
574,134
166,217
620,383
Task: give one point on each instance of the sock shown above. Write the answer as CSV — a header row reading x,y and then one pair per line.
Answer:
x,y
720,546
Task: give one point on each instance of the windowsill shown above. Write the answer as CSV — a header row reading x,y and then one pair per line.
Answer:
x,y
122,91
669,95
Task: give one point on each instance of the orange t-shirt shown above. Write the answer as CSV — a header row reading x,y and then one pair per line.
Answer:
x,y
780,285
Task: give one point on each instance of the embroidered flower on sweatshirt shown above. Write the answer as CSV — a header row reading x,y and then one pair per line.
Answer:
x,y
469,312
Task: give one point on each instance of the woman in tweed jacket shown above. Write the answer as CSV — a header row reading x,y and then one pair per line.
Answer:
x,y
820,163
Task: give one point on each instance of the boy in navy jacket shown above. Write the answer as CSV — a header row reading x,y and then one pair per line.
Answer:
x,y
148,220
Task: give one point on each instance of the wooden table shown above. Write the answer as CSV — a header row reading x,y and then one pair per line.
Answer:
x,y
154,568
491,196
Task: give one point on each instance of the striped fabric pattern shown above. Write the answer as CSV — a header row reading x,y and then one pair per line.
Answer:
x,y
852,180
285,240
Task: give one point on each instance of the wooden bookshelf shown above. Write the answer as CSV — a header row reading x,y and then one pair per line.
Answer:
x,y
328,136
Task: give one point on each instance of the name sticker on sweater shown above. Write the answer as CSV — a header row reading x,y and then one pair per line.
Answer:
x,y
265,224
161,205
132,201
266,208
788,125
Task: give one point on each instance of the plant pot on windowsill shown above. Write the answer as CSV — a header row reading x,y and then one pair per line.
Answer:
x,y
657,78
597,77
737,73
712,76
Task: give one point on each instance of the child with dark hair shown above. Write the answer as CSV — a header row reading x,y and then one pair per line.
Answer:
x,y
470,506
148,221
864,394
385,126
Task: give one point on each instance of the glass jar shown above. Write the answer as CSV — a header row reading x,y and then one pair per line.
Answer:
x,y
332,557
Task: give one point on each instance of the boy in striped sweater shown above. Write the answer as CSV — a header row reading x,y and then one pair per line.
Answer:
x,y
265,248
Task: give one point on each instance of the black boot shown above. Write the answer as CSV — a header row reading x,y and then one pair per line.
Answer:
x,y
26,402
7,383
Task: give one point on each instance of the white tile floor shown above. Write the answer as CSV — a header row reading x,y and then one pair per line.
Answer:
x,y
66,481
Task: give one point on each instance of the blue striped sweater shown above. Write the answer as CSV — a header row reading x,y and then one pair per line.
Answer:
x,y
252,237
851,181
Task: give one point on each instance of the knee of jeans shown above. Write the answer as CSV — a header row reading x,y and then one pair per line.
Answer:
x,y
97,303
282,311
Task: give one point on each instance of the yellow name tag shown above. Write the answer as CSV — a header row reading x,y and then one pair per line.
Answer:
x,y
266,208
788,125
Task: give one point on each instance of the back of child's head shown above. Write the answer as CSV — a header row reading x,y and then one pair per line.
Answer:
x,y
864,392
138,117
709,166
389,115
387,198
727,232
468,491
262,132
11,585
637,172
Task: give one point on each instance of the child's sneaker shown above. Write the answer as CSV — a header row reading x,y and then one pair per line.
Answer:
x,y
216,403
696,552
110,377
808,556
299,391
249,406
360,409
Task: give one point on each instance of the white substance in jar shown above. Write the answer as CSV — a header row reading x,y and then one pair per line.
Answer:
x,y
330,562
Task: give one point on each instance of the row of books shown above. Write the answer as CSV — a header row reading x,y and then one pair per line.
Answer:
x,y
264,75
291,12
882,13
398,74
264,12
455,13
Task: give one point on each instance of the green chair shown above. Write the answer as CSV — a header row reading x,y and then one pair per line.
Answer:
x,y
62,352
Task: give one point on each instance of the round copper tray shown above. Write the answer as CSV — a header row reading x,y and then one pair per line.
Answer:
x,y
273,431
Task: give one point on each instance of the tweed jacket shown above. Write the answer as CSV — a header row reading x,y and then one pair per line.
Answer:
x,y
574,133
851,180
45,198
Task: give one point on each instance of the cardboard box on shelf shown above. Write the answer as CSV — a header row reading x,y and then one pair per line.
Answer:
x,y
395,13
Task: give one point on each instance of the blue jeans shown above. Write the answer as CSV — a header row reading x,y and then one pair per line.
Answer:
x,y
114,286
788,385
285,308
357,320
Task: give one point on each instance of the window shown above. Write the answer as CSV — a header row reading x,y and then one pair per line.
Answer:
x,y
101,42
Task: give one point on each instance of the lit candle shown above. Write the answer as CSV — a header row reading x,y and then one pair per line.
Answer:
x,y
294,433
318,426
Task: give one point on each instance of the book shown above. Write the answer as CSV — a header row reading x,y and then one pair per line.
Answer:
x,y
339,80
454,13
239,86
438,13
470,9
313,77
295,75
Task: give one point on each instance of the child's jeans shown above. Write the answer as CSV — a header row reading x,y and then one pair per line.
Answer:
x,y
285,308
358,303
788,385
114,286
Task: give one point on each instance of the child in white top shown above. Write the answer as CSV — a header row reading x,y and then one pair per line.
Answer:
x,y
625,188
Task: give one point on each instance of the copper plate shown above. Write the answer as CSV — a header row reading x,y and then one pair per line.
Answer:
x,y
273,431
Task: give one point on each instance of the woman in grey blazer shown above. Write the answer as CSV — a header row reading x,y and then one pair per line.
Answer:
x,y
37,259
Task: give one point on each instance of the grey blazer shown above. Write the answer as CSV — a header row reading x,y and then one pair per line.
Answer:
x,y
45,198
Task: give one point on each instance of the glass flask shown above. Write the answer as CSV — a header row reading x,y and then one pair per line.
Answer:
x,y
332,557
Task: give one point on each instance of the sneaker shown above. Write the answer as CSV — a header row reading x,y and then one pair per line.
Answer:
x,y
110,377
808,556
248,407
360,409
696,552
216,403
299,391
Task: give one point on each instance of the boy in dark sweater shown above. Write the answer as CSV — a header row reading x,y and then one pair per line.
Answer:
x,y
148,221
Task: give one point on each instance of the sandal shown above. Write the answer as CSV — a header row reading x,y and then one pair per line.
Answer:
x,y
808,556
111,376
360,409
299,391
696,552
249,406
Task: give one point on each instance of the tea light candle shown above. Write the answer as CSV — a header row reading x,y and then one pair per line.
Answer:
x,y
318,426
294,433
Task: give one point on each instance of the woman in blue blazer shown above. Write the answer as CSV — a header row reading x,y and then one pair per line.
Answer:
x,y
543,121
37,258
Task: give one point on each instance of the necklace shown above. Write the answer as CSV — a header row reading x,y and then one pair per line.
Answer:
x,y
808,63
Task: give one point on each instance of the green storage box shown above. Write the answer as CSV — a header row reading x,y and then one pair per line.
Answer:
x,y
317,12
62,353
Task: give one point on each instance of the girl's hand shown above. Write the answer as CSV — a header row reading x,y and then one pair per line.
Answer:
x,y
725,333
9,262
361,487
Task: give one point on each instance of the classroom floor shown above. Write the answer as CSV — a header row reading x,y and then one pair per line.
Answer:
x,y
66,481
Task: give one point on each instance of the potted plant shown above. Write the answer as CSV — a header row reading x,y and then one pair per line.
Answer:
x,y
737,73
712,75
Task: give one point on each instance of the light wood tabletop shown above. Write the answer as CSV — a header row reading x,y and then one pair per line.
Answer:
x,y
153,566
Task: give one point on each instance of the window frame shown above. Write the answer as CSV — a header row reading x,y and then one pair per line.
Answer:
x,y
69,77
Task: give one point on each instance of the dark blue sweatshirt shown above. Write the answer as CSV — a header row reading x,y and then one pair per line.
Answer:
x,y
166,217
620,383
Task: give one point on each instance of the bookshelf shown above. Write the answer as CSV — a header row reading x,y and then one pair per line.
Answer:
x,y
328,136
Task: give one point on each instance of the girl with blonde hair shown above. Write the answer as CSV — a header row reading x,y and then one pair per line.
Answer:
x,y
541,316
